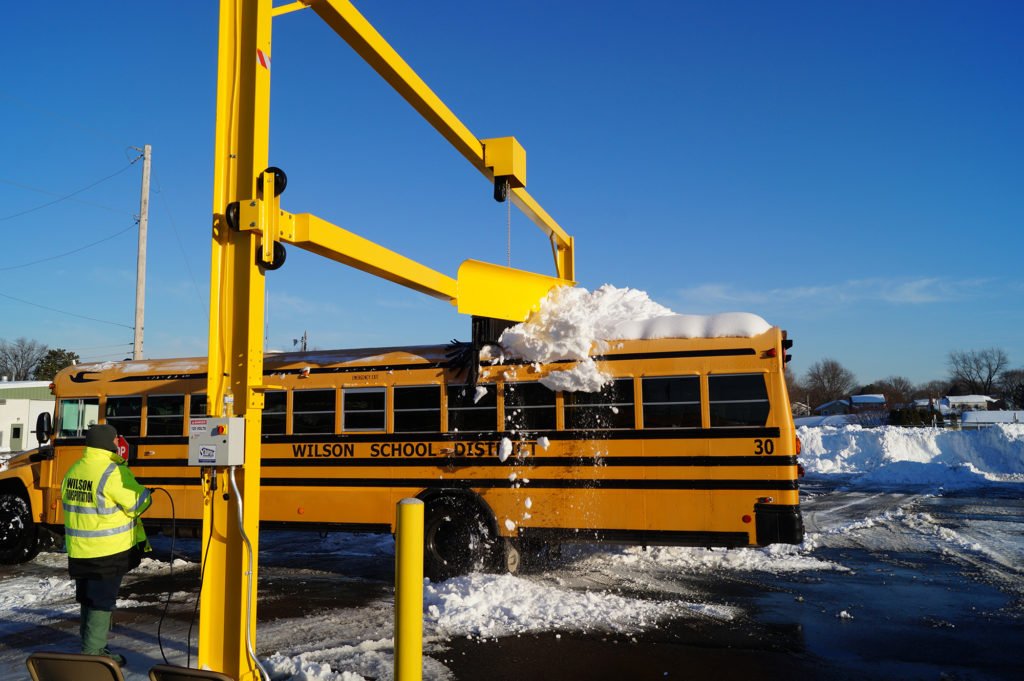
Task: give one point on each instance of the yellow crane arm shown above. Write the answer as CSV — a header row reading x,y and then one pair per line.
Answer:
x,y
494,158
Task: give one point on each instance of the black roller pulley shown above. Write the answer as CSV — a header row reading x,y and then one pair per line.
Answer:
x,y
279,257
501,186
231,215
280,180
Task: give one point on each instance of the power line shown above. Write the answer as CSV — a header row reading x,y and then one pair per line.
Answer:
x,y
177,236
72,252
68,196
39,190
34,106
71,314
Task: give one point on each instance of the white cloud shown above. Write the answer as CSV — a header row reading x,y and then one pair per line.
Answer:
x,y
897,291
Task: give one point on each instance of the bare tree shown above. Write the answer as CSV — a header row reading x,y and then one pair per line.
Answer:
x,y
1011,383
977,370
932,389
828,380
898,390
19,359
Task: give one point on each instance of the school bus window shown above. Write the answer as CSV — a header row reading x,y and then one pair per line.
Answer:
x,y
275,408
611,408
125,414
529,406
472,409
313,411
76,415
671,402
165,414
197,405
737,400
364,409
417,409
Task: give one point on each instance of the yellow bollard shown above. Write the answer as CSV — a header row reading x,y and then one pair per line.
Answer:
x,y
409,591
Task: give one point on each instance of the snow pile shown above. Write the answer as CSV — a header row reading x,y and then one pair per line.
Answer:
x,y
501,605
774,559
572,322
304,668
915,456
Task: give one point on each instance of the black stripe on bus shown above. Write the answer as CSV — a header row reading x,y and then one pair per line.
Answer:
x,y
678,354
493,461
482,436
500,483
536,461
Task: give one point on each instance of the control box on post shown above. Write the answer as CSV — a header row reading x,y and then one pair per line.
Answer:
x,y
216,441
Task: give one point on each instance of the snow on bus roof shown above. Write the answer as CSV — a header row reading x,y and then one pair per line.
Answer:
x,y
573,321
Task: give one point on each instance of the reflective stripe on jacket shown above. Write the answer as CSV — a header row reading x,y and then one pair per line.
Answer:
x,y
102,502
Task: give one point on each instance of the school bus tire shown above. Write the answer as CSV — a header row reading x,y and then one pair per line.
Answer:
x,y
512,556
457,537
19,535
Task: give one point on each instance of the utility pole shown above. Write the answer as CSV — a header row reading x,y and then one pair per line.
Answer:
x,y
301,342
140,275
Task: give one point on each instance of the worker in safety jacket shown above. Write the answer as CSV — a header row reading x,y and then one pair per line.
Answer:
x,y
103,533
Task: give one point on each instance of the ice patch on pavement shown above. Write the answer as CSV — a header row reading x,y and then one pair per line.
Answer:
x,y
502,605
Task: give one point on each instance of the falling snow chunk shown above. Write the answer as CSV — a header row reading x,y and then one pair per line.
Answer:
x,y
512,477
510,524
480,393
505,450
543,442
528,503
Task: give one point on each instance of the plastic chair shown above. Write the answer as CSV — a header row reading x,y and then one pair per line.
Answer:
x,y
72,667
168,672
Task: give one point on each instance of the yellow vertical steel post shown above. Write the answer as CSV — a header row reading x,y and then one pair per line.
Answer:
x,y
236,335
409,591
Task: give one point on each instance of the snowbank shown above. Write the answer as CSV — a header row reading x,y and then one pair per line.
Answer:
x,y
572,322
915,456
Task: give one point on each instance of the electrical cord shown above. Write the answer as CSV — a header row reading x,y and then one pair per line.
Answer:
x,y
170,591
248,573
202,576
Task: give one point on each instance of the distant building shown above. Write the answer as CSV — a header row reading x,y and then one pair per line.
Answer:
x,y
854,404
21,402
833,408
800,409
983,419
961,403
864,403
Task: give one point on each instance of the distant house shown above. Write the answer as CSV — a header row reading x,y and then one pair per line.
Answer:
x,y
800,409
833,408
863,403
961,403
983,419
854,404
21,402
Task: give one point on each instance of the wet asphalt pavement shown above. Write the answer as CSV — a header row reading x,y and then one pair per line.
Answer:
x,y
932,588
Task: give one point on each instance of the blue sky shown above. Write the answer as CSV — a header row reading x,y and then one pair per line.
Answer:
x,y
851,171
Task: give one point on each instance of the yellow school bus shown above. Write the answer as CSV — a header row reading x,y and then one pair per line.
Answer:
x,y
690,443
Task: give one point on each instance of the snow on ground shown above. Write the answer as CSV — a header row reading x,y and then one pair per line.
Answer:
x,y
893,455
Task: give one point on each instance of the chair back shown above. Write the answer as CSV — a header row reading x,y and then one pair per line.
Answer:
x,y
72,667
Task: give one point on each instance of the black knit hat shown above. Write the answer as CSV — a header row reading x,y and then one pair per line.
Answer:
x,y
101,437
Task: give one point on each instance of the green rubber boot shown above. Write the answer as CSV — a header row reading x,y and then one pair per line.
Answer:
x,y
94,629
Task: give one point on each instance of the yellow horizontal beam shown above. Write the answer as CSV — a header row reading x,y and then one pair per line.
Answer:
x,y
321,237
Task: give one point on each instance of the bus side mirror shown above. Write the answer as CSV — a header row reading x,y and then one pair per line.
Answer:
x,y
44,427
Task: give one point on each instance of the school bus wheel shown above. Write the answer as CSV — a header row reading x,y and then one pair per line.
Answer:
x,y
457,538
19,536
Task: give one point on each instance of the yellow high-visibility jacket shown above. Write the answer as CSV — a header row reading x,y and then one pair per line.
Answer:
x,y
102,503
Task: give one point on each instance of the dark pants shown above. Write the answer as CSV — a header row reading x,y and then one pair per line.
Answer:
x,y
98,593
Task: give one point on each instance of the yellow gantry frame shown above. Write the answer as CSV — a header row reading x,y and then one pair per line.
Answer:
x,y
237,285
